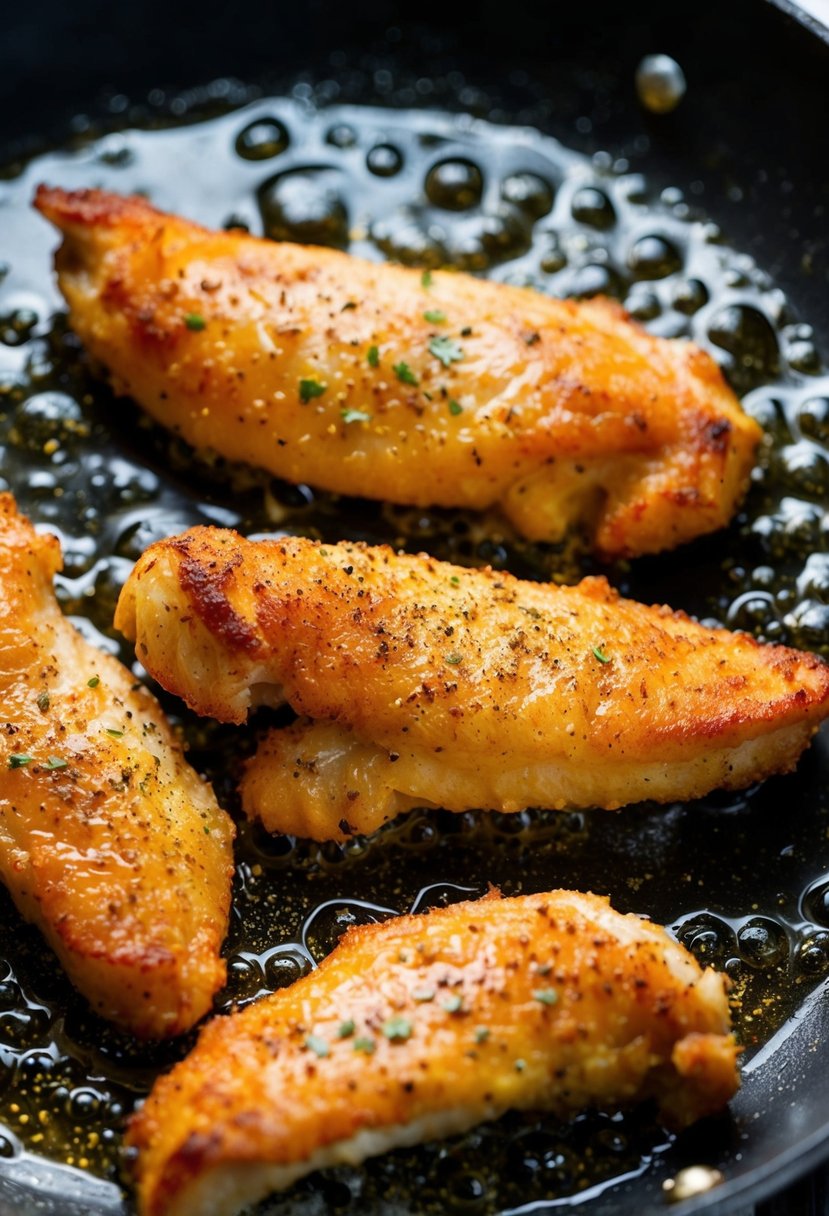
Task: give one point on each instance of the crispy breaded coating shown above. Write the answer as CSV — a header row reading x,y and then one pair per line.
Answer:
x,y
109,842
360,378
424,1026
423,683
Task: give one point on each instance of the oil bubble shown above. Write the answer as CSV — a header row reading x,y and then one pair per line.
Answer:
x,y
384,160
454,185
689,296
815,902
811,623
533,194
262,140
707,937
762,942
747,335
813,954
660,83
593,207
653,257
341,136
805,469
284,966
305,205
643,305
16,327
592,280
813,418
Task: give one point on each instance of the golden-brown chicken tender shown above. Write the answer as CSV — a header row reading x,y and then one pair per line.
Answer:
x,y
360,378
109,842
424,1026
420,682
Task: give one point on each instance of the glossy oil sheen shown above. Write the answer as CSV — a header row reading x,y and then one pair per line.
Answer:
x,y
742,880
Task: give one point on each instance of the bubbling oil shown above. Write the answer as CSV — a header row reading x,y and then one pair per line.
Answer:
x,y
743,887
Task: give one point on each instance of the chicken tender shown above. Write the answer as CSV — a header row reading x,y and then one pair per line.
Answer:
x,y
109,842
424,1026
419,682
426,390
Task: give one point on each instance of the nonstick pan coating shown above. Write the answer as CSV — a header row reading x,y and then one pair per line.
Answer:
x,y
752,131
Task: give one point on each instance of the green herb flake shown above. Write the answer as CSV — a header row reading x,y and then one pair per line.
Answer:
x,y
346,1029
405,374
319,1046
600,654
18,760
349,415
366,1046
481,1034
308,389
426,279
206,830
397,1029
43,702
520,1065
454,659
453,1003
93,682
373,356
116,734
447,350
455,581
423,995
55,762
195,321
434,316
547,996
455,408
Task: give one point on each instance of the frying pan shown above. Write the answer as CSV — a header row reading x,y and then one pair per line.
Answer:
x,y
752,130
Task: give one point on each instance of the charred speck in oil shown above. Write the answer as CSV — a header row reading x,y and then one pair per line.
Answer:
x,y
735,880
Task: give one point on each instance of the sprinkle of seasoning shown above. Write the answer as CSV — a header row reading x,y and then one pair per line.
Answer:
x,y
600,654
447,350
56,762
434,316
18,760
373,356
520,1065
547,996
93,682
405,374
397,1029
455,408
426,279
317,1045
422,995
346,1029
308,389
366,1046
116,734
481,1034
453,1003
195,321
348,415
43,702
454,659
455,581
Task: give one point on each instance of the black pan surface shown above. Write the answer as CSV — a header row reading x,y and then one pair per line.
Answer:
x,y
740,882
